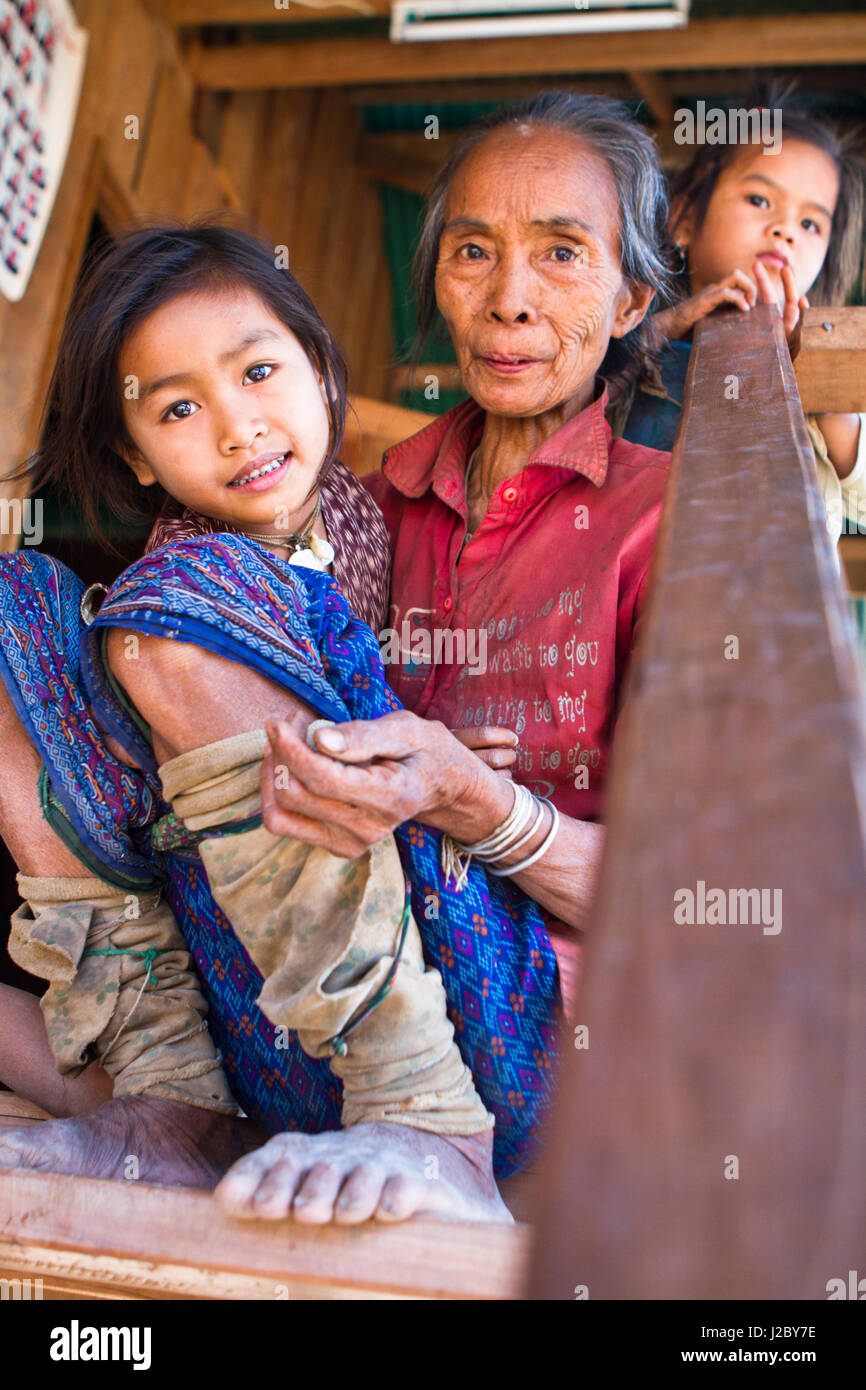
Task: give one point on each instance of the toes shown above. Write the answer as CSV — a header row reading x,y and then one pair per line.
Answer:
x,y
11,1156
314,1200
22,1148
402,1197
235,1192
359,1196
273,1197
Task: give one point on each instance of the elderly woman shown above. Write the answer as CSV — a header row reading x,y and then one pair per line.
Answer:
x,y
543,245
520,528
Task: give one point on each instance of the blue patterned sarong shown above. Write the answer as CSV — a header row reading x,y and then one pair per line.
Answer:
x,y
232,597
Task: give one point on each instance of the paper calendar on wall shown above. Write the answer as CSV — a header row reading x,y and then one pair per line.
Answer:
x,y
42,52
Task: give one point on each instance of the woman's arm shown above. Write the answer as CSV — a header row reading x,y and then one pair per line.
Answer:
x,y
399,768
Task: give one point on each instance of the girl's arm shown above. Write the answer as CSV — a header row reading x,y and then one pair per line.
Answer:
x,y
843,436
27,1064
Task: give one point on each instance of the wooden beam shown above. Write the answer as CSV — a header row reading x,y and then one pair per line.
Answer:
x,y
187,14
16,1111
830,360
492,90
764,41
404,159
853,552
372,427
652,90
711,1139
681,84
143,1238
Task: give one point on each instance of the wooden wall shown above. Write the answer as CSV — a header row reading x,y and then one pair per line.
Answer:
x,y
291,157
285,159
134,68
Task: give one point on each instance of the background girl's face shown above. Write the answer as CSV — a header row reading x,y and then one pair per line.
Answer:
x,y
778,208
224,387
529,278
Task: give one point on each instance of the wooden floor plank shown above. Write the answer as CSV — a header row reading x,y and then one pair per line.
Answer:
x,y
154,1240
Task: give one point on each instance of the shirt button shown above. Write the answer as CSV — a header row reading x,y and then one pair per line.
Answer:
x,y
509,494
447,605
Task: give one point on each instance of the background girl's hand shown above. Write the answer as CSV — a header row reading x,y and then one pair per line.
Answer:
x,y
392,769
792,306
737,289
494,746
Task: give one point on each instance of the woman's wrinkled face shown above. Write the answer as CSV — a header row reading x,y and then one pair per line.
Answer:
x,y
529,278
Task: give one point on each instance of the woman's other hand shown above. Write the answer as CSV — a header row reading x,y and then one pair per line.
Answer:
x,y
494,746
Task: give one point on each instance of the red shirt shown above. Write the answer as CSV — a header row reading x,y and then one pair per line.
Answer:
x,y
533,627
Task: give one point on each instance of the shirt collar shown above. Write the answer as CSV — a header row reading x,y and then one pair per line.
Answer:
x,y
582,445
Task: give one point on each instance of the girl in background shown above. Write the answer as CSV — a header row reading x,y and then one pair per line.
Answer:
x,y
753,228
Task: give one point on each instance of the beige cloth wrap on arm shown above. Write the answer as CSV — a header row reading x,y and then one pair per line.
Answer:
x,y
324,932
142,1015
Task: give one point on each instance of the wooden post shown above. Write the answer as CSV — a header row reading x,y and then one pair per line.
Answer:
x,y
830,360
711,1139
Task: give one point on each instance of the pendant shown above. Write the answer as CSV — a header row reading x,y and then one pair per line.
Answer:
x,y
323,550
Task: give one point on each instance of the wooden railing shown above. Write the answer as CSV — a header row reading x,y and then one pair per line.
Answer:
x,y
711,1138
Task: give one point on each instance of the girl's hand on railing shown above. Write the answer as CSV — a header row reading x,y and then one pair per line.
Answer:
x,y
741,291
736,289
791,307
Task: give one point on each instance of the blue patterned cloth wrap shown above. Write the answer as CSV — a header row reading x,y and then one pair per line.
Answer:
x,y
230,596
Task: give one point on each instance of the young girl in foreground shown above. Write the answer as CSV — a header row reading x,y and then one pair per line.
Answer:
x,y
771,228
192,367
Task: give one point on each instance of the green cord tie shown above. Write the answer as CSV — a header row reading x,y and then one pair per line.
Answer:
x,y
149,955
338,1045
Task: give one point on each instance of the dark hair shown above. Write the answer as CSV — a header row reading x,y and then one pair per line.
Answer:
x,y
124,282
608,128
693,186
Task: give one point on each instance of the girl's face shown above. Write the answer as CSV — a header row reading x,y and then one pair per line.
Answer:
x,y
778,209
225,388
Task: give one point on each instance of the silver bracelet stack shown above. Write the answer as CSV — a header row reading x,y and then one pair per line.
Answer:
x,y
508,837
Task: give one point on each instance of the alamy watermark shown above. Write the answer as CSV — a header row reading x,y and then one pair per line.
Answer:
x,y
77,1343
729,126
439,646
22,518
712,907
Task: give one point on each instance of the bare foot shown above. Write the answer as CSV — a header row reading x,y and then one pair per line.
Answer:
x,y
143,1137
381,1172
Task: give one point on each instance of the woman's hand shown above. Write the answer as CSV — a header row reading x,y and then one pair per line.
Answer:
x,y
740,290
494,746
390,770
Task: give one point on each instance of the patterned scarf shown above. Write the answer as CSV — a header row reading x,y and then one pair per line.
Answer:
x,y
230,596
